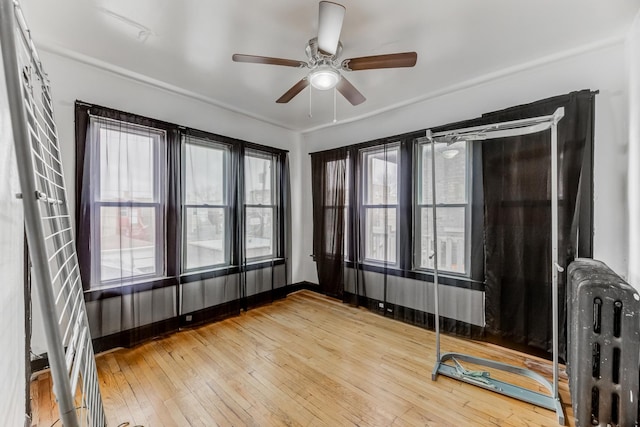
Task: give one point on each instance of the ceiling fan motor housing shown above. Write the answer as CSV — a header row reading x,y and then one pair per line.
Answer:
x,y
317,56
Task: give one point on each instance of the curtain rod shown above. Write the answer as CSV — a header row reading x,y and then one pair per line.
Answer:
x,y
168,125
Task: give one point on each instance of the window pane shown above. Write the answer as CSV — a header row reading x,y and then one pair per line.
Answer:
x,y
380,234
204,235
127,165
451,237
381,180
259,232
451,164
127,242
258,176
204,175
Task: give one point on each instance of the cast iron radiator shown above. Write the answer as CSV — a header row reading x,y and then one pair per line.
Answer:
x,y
603,340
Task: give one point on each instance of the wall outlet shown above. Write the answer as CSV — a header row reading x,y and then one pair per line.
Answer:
x,y
188,318
380,305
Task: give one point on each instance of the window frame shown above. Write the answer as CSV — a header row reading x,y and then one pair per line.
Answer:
x,y
365,205
159,138
420,204
274,205
226,206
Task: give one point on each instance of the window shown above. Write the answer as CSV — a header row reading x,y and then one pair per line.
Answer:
x,y
452,175
156,201
380,203
205,214
261,213
127,205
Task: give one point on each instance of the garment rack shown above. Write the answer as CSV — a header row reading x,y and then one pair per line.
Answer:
x,y
454,369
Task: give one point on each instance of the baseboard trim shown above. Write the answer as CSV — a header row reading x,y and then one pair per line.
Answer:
x,y
135,336
210,314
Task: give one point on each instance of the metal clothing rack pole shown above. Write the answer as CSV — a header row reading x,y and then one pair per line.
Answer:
x,y
456,370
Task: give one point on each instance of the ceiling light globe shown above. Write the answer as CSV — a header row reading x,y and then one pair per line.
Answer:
x,y
450,153
324,78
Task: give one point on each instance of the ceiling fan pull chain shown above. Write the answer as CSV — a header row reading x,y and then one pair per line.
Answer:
x,y
334,105
310,90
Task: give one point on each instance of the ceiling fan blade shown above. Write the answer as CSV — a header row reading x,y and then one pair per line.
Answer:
x,y
350,92
393,60
295,89
237,57
330,19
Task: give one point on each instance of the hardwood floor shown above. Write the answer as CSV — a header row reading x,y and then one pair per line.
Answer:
x,y
304,360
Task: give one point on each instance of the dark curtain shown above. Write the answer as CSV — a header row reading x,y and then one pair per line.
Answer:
x,y
328,186
517,193
174,198
83,205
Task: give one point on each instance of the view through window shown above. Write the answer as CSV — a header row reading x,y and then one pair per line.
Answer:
x,y
128,205
452,207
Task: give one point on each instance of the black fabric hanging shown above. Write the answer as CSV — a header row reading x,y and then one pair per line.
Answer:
x,y
517,194
328,185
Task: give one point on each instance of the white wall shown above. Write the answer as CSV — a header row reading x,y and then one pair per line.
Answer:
x,y
597,68
12,332
633,52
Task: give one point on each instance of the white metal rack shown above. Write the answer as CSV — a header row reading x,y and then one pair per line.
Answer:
x,y
454,369
48,225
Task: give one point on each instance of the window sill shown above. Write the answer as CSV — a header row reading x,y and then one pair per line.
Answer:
x,y
116,290
228,270
424,276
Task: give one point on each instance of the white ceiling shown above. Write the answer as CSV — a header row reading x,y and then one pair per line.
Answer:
x,y
188,44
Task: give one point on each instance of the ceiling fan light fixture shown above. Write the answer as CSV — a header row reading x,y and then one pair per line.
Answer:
x,y
324,77
450,153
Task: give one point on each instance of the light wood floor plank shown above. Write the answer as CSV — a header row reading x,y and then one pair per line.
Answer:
x,y
307,360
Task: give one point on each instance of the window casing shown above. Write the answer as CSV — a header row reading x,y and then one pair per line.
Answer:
x,y
128,203
261,207
206,228
453,164
380,203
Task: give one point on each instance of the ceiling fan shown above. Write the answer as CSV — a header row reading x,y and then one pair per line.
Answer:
x,y
323,52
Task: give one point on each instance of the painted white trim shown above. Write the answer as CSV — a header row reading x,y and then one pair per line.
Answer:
x,y
486,78
150,81
633,153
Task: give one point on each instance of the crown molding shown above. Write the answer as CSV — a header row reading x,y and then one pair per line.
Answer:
x,y
476,81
